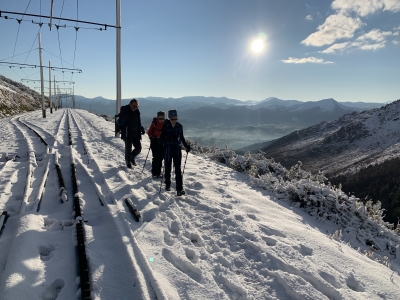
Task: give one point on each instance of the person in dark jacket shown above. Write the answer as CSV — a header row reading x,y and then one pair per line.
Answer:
x,y
172,138
156,145
134,129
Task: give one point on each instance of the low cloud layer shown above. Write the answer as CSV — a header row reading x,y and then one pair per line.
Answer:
x,y
305,60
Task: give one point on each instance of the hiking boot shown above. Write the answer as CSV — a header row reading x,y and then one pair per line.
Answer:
x,y
168,188
181,193
128,164
154,176
133,161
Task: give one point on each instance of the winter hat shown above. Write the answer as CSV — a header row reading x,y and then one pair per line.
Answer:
x,y
160,113
172,113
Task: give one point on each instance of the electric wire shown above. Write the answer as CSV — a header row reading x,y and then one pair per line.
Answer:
x,y
76,34
59,26
57,57
17,55
31,50
32,45
19,25
58,36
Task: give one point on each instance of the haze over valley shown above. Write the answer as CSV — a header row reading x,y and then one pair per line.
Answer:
x,y
222,122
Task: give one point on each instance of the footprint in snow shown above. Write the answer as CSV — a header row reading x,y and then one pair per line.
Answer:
x,y
185,266
195,238
304,250
46,253
269,241
168,238
253,217
239,218
354,284
226,205
330,279
191,255
51,292
198,186
270,231
174,227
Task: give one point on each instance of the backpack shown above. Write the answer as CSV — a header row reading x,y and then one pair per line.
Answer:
x,y
123,115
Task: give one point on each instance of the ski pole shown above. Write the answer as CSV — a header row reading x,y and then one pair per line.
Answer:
x,y
146,160
162,177
185,164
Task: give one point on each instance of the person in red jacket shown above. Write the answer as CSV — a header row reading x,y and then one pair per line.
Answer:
x,y
156,145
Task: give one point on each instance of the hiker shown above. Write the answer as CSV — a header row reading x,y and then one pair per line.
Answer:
x,y
172,138
156,145
132,128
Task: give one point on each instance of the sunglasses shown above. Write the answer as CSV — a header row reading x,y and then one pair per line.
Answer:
x,y
161,119
174,119
134,106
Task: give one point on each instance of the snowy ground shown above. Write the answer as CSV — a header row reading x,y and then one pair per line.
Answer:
x,y
224,240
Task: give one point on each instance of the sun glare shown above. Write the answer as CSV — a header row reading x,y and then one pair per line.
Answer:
x,y
257,45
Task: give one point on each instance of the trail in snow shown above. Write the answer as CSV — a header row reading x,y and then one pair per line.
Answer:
x,y
224,240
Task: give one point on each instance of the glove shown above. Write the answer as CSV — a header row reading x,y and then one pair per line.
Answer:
x,y
142,130
188,148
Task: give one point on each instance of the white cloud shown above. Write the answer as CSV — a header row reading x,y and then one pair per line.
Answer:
x,y
373,40
335,48
313,60
396,42
334,28
372,46
365,7
375,35
309,18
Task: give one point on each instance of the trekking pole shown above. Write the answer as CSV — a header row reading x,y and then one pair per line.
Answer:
x,y
162,177
145,160
185,164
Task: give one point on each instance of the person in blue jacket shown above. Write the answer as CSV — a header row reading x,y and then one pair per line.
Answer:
x,y
173,139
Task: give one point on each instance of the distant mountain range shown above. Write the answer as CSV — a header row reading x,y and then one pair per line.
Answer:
x,y
216,110
344,145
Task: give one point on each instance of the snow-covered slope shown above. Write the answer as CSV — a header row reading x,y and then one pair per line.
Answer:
x,y
344,145
16,98
233,236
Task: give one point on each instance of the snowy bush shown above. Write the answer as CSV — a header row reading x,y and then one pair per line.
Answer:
x,y
358,221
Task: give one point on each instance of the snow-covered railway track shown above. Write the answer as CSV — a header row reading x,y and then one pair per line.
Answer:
x,y
28,231
104,227
46,137
37,168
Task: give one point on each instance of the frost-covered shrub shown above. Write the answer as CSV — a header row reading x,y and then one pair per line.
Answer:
x,y
358,221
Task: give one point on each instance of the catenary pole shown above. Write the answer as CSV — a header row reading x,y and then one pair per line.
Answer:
x,y
41,75
55,98
51,15
118,28
51,102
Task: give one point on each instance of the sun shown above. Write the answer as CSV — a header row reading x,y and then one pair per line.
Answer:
x,y
257,45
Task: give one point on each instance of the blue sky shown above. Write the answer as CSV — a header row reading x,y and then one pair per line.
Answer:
x,y
348,50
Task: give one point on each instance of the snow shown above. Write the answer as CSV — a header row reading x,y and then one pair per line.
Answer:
x,y
228,238
6,88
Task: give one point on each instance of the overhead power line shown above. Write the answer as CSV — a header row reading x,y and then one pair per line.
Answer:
x,y
48,17
11,64
38,80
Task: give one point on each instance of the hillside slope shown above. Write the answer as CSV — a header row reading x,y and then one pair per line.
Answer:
x,y
16,98
345,145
